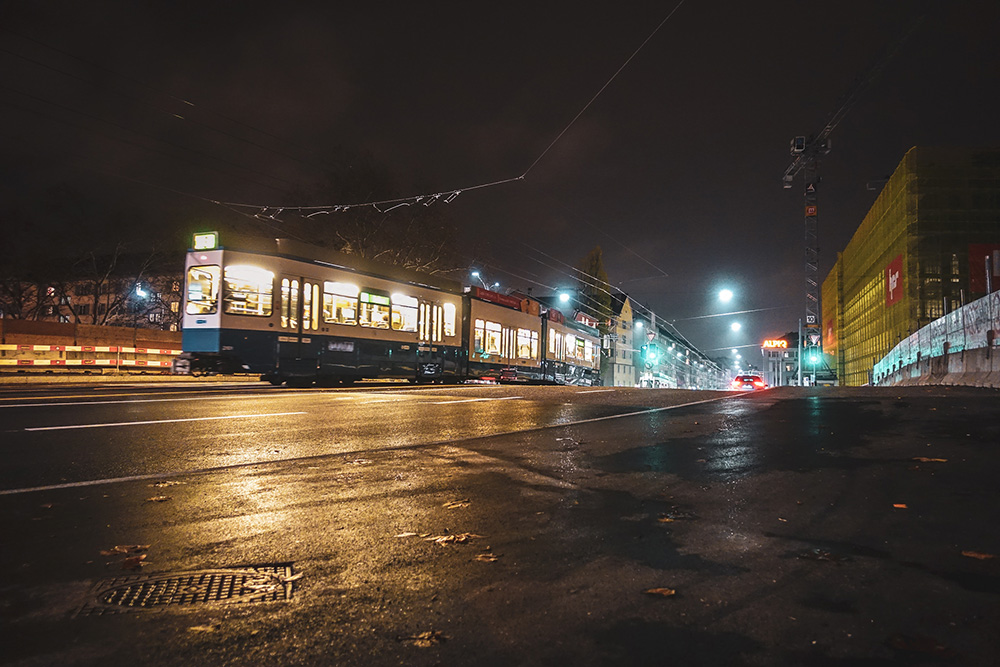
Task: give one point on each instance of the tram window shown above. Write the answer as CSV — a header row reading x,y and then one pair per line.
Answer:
x,y
494,332
437,338
202,289
310,305
374,310
340,303
570,346
480,336
524,344
404,313
588,350
289,303
449,319
488,338
247,291
555,344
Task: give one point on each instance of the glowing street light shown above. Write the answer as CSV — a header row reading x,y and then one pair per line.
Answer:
x,y
735,326
725,295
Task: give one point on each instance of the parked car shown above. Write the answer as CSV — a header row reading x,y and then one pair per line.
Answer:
x,y
749,383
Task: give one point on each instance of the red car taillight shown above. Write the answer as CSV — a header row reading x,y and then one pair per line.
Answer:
x,y
759,383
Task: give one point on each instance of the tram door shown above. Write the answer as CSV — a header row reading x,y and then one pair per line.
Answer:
x,y
297,351
430,349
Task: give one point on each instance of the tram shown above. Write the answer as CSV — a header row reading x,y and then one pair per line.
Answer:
x,y
299,314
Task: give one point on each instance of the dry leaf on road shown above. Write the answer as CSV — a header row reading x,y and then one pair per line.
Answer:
x,y
978,554
924,459
427,639
662,592
454,538
125,549
134,562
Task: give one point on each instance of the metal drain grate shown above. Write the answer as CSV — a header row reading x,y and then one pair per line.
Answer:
x,y
263,583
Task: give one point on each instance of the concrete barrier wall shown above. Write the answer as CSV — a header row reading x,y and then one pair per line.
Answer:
x,y
53,346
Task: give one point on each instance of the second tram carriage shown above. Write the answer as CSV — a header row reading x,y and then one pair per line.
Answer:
x,y
299,314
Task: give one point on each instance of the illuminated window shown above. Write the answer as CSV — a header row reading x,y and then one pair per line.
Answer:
x,y
524,343
480,336
289,303
404,313
488,338
449,319
310,305
571,346
247,291
375,310
340,303
588,350
202,289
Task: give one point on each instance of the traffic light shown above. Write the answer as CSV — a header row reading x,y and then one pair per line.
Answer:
x,y
652,353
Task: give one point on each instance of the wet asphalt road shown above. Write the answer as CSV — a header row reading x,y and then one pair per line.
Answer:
x,y
798,527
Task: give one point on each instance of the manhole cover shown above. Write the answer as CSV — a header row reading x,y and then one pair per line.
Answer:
x,y
263,583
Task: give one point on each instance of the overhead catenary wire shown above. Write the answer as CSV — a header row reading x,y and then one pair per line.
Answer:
x,y
450,195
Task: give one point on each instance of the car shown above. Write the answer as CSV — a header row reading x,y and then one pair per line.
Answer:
x,y
749,383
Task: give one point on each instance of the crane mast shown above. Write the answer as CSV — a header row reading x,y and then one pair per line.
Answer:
x,y
807,154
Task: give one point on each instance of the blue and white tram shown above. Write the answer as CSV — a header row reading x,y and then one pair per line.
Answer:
x,y
300,314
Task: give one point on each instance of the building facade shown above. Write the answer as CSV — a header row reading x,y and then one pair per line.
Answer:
x,y
919,253
618,367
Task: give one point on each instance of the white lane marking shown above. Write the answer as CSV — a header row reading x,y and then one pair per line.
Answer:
x,y
594,391
473,400
202,471
159,421
136,400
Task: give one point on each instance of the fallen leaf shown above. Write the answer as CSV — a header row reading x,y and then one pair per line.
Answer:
x,y
978,554
134,562
900,506
455,504
159,499
666,519
125,549
453,538
782,520
662,592
485,557
924,459
427,639
203,628
407,535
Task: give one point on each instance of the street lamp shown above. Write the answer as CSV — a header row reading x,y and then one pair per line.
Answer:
x,y
725,295
735,326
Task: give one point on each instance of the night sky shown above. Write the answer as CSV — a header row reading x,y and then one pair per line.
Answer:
x,y
675,168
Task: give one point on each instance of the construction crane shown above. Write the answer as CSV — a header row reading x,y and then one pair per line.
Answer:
x,y
807,154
